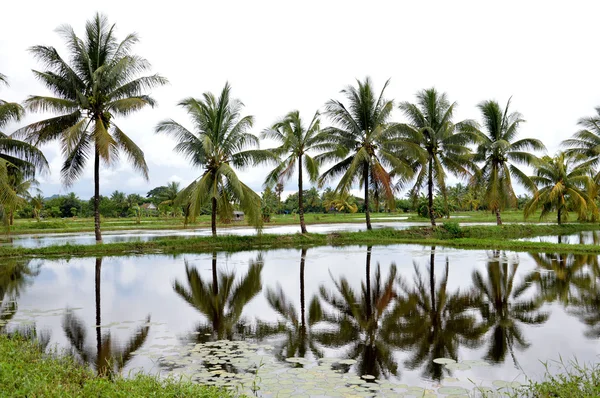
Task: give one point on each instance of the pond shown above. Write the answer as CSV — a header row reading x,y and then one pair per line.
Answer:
x,y
582,238
352,321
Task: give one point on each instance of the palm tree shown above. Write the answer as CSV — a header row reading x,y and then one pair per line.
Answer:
x,y
360,142
220,142
501,310
221,300
585,144
344,202
21,186
499,152
169,195
37,203
562,185
99,83
298,332
436,142
15,156
363,321
296,141
108,357
435,323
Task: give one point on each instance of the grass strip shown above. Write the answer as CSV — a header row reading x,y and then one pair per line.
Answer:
x,y
450,235
25,371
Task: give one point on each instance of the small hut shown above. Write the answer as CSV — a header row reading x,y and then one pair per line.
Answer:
x,y
238,216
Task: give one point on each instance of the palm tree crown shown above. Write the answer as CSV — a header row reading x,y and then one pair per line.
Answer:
x,y
585,144
499,151
436,142
296,141
99,83
221,140
359,141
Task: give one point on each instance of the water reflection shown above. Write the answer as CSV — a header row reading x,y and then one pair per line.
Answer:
x,y
298,339
108,357
220,300
435,322
501,308
363,321
15,275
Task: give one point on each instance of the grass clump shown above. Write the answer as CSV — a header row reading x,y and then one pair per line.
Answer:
x,y
572,380
25,371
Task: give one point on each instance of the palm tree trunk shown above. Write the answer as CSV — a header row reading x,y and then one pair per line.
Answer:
x,y
430,192
302,302
366,182
97,195
498,218
98,313
215,282
432,284
301,197
11,217
559,214
368,283
213,217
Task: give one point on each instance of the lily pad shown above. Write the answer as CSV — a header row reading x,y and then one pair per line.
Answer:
x,y
457,366
444,361
452,390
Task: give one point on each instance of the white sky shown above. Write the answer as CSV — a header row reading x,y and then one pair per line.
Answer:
x,y
285,55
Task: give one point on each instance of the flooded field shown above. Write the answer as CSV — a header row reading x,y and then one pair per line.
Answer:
x,y
352,321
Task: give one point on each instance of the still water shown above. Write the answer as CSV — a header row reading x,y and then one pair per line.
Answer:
x,y
326,321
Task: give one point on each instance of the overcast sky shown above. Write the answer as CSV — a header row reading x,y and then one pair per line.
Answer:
x,y
285,55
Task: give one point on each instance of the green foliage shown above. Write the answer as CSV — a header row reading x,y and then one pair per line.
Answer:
x,y
452,230
28,372
573,380
269,204
440,210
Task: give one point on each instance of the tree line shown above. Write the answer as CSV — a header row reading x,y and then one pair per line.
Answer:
x,y
361,145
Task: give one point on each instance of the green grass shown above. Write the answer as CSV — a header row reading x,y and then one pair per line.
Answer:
x,y
571,381
472,237
27,372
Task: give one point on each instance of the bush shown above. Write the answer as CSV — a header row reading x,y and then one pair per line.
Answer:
x,y
439,209
452,230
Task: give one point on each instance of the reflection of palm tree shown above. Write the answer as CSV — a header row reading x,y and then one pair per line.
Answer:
x,y
298,337
363,321
15,274
221,301
435,323
109,357
587,308
500,310
558,274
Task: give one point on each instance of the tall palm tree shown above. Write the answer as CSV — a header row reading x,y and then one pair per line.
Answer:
x,y
221,140
501,308
359,141
585,144
98,84
363,321
15,156
499,151
296,141
436,142
108,357
562,184
297,330
221,300
434,322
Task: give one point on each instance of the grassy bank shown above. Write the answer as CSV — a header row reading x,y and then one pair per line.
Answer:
x,y
28,226
472,237
26,372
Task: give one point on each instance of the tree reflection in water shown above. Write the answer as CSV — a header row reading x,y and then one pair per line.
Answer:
x,y
298,337
434,323
501,308
108,357
362,321
221,300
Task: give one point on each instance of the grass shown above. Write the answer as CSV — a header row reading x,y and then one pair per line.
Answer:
x,y
450,235
25,371
572,381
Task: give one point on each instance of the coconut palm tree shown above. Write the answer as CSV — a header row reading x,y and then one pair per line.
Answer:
x,y
298,332
562,185
436,143
296,141
16,157
363,321
501,308
100,83
219,143
499,150
434,322
37,204
221,300
585,144
109,357
168,196
360,142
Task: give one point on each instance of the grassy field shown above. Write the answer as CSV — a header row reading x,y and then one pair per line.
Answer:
x,y
27,372
29,226
470,237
